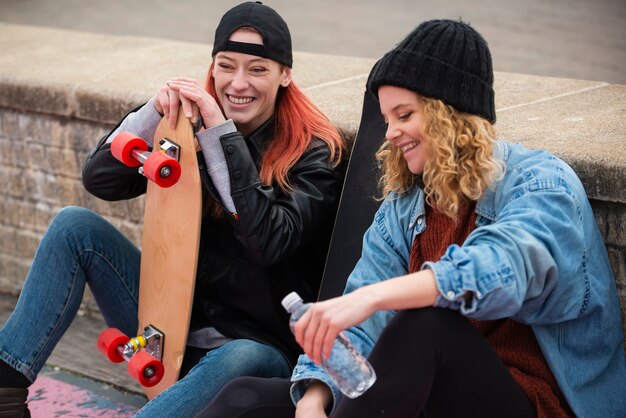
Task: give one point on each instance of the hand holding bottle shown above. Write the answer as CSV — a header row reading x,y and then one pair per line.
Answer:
x,y
320,325
345,365
317,329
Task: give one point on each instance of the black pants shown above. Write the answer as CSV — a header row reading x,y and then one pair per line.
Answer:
x,y
427,361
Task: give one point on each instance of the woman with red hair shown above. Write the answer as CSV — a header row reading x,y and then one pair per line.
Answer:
x,y
270,164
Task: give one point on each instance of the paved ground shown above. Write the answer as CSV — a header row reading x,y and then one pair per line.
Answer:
x,y
58,393
564,38
78,381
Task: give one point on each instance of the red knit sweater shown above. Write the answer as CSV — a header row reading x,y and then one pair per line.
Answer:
x,y
514,342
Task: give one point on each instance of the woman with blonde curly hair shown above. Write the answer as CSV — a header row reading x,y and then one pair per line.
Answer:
x,y
463,164
484,288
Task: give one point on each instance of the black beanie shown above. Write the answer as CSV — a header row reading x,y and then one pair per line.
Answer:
x,y
441,59
272,27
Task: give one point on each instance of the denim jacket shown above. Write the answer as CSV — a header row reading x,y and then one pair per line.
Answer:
x,y
536,256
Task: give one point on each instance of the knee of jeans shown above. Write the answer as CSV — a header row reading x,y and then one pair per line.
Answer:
x,y
73,217
75,226
247,357
74,221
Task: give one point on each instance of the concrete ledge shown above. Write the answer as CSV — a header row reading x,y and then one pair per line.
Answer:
x,y
60,90
581,122
97,78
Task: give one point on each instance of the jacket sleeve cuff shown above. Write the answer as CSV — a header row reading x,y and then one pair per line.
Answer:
x,y
456,286
226,127
449,297
142,123
304,373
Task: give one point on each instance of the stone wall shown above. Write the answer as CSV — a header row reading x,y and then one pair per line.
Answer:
x,y
61,90
40,159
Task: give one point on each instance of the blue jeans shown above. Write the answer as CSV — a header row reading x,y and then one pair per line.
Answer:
x,y
79,248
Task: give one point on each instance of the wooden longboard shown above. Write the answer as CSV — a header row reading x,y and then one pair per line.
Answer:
x,y
169,252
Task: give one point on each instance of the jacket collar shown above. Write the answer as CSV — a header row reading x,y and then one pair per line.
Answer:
x,y
486,206
262,136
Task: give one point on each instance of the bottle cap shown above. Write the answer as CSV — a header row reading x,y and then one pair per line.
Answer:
x,y
290,301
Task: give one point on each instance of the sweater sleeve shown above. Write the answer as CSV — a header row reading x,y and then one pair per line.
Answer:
x,y
106,177
142,123
209,140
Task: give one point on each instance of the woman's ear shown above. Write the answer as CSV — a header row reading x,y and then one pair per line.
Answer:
x,y
285,77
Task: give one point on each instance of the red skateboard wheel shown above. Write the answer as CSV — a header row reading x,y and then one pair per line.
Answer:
x,y
122,146
108,341
162,169
145,369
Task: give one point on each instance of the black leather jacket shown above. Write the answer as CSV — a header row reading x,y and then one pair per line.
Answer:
x,y
278,244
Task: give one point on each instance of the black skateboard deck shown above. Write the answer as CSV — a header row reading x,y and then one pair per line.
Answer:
x,y
357,205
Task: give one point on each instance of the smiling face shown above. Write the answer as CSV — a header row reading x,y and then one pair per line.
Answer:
x,y
247,85
403,111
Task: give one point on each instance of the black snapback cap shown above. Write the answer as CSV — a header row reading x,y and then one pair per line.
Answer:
x,y
264,19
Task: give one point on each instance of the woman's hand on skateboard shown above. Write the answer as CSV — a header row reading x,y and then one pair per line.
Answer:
x,y
167,101
194,97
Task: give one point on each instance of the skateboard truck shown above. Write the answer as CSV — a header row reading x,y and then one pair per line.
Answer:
x,y
163,167
171,148
143,353
151,341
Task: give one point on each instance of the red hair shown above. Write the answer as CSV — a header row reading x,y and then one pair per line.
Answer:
x,y
298,121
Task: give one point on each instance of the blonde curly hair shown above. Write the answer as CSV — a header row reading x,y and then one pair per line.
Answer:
x,y
460,162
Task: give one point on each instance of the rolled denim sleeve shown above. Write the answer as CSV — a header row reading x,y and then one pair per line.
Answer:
x,y
524,265
304,373
462,289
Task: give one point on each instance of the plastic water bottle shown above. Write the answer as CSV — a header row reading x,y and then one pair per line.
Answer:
x,y
346,366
